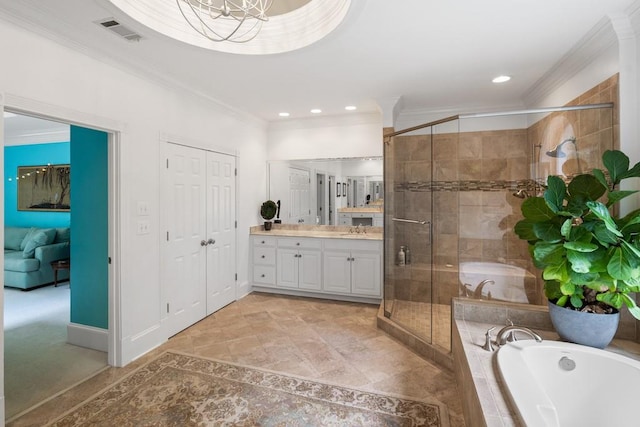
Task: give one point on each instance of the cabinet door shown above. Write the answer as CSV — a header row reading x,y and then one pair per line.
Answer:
x,y
310,270
287,269
337,272
365,274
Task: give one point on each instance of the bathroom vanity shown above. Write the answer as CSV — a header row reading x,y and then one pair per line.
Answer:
x,y
364,216
320,261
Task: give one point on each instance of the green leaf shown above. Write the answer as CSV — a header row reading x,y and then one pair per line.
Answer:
x,y
580,246
633,172
577,205
535,209
547,231
601,211
616,196
586,185
579,262
524,230
603,235
618,266
600,177
557,271
582,278
567,288
565,230
617,163
548,253
630,220
613,299
576,301
552,290
562,301
555,193
631,305
631,253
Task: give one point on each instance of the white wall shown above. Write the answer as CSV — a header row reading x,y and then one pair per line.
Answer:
x,y
42,76
357,135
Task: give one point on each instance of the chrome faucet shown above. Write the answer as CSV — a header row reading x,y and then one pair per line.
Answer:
x,y
464,290
504,333
477,293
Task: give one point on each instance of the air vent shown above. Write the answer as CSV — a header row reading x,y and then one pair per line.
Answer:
x,y
119,29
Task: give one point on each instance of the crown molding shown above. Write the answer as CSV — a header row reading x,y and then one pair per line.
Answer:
x,y
601,37
146,73
353,119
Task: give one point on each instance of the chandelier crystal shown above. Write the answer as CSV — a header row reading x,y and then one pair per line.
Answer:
x,y
237,21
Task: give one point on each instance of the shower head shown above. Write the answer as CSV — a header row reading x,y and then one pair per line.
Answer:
x,y
557,151
521,194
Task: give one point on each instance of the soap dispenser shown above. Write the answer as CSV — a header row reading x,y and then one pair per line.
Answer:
x,y
401,256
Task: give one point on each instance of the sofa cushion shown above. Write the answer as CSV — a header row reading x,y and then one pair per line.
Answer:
x,y
39,238
63,234
13,237
13,261
26,239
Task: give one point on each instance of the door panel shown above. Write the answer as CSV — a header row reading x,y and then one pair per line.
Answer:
x,y
221,231
365,274
310,270
184,257
287,269
337,272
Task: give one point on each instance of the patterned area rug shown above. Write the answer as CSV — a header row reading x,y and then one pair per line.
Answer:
x,y
179,390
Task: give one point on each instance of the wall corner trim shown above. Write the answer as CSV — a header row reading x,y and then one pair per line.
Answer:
x,y
88,336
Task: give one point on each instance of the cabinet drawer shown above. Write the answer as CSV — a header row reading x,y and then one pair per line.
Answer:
x,y
264,256
345,221
259,241
300,243
264,275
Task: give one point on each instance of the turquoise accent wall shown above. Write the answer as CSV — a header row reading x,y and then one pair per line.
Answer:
x,y
89,232
31,155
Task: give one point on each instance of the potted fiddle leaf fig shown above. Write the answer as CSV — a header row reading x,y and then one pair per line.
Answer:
x,y
267,212
590,259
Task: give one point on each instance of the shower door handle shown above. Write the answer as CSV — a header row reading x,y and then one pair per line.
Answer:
x,y
415,221
410,221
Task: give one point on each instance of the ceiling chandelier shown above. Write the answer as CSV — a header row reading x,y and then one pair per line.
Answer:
x,y
237,21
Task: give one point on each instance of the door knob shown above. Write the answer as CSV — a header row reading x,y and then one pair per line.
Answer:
x,y
211,242
203,243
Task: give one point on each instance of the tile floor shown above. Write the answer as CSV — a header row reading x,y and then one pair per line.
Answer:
x,y
335,342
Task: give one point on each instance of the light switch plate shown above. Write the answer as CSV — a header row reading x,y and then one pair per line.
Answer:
x,y
144,227
143,208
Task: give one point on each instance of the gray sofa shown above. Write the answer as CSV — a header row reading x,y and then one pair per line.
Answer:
x,y
28,253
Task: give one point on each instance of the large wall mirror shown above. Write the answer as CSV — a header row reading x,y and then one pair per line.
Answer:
x,y
313,191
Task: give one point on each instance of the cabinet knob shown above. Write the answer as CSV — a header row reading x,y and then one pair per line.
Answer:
x,y
262,275
262,256
298,244
263,242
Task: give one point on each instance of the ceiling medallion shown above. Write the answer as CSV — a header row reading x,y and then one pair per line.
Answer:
x,y
226,20
244,21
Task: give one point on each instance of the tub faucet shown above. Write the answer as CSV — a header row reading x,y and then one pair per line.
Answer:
x,y
503,334
477,293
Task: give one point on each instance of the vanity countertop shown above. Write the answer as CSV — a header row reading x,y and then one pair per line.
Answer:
x,y
318,231
363,209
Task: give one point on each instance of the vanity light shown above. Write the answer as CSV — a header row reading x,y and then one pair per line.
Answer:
x,y
501,79
284,114
350,107
316,111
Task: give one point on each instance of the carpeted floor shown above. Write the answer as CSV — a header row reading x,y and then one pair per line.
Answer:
x,y
176,389
38,361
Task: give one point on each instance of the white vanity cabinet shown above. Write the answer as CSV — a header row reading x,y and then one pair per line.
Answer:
x,y
264,260
299,263
375,219
353,267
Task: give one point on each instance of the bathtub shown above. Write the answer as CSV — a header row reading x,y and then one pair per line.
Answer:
x,y
509,280
560,384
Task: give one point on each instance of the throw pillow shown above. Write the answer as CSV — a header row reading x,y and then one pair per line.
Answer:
x,y
13,237
37,239
28,236
63,234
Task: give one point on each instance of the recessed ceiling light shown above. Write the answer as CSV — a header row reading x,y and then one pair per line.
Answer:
x,y
316,111
501,79
350,107
283,114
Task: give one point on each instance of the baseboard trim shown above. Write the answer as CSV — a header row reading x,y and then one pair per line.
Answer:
x,y
88,336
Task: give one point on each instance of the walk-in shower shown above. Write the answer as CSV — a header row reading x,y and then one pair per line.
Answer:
x,y
453,191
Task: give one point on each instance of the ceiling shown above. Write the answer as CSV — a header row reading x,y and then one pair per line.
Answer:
x,y
436,55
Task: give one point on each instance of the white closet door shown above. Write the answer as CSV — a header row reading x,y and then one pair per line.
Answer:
x,y
184,278
221,231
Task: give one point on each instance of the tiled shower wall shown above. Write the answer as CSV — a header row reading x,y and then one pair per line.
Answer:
x,y
474,177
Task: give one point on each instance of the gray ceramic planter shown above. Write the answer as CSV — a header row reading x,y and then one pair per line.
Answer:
x,y
594,330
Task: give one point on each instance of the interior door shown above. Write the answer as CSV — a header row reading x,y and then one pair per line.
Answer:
x,y
299,193
184,263
221,231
